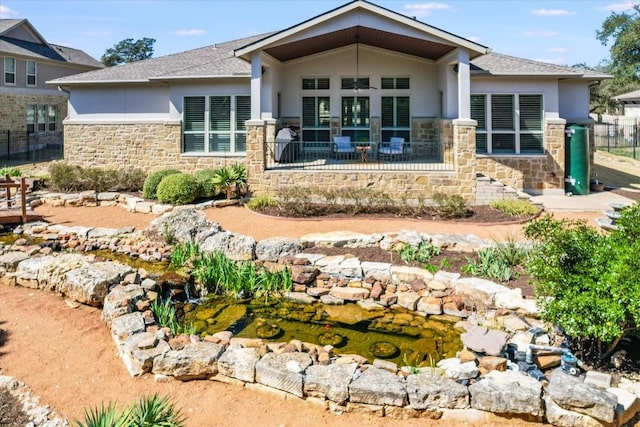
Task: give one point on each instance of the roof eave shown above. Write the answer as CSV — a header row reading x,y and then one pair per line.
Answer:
x,y
92,82
202,77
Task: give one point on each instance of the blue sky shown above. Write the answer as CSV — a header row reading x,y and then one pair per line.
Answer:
x,y
560,32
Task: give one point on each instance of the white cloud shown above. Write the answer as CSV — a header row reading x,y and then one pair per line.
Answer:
x,y
190,32
5,12
558,49
558,60
619,7
475,39
540,33
96,33
423,9
552,12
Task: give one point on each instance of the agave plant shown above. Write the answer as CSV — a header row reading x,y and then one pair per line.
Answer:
x,y
105,416
155,411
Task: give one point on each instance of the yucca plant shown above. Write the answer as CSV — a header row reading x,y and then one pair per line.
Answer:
x,y
105,416
155,411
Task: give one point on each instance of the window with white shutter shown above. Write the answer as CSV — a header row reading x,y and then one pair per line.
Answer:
x,y
215,124
508,123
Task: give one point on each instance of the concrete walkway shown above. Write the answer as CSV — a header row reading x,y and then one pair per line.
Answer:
x,y
599,202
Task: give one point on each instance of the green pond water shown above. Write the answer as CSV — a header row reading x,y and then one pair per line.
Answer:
x,y
396,335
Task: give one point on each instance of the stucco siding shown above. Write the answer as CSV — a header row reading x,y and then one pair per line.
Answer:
x,y
573,99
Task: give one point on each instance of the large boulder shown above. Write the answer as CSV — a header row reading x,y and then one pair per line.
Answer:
x,y
329,382
432,392
483,340
283,371
378,387
139,350
182,225
509,393
572,394
121,300
89,284
239,363
197,360
235,246
277,247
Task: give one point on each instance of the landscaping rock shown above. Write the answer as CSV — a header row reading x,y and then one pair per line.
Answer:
x,y
380,271
628,404
196,360
10,260
235,246
483,340
90,283
182,225
508,392
121,300
349,294
403,275
426,391
329,382
338,239
239,363
458,370
572,394
283,371
277,247
560,417
127,325
27,271
378,387
481,289
139,350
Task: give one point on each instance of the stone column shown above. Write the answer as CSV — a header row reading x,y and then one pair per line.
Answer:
x,y
464,147
260,133
553,176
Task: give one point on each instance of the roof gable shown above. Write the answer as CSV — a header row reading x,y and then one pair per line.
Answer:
x,y
361,21
21,29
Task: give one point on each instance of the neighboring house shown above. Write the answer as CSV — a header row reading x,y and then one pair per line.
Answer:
x,y
358,71
630,103
32,111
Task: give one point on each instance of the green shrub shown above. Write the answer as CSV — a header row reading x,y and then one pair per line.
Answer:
x,y
10,171
514,207
451,205
205,178
178,189
150,186
131,179
260,203
587,282
63,176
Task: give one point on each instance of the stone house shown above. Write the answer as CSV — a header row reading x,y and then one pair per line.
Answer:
x,y
360,73
32,111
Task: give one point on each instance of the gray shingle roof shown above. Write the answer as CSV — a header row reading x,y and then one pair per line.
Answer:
x,y
211,61
628,96
13,46
497,64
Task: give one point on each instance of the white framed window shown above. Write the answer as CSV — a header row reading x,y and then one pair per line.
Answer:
x,y
316,118
52,117
41,118
396,118
394,82
10,71
31,118
356,120
315,83
32,70
215,124
508,123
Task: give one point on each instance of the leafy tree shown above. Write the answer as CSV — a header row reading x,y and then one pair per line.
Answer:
x,y
623,31
128,50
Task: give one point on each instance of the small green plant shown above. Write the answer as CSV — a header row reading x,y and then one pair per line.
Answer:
x,y
422,253
260,203
165,315
489,265
150,186
11,171
178,189
451,205
183,253
231,180
154,411
431,268
514,207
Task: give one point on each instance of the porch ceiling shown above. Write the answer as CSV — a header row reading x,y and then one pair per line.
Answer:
x,y
369,36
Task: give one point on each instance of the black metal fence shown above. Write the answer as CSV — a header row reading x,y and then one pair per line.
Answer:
x,y
370,156
22,147
618,136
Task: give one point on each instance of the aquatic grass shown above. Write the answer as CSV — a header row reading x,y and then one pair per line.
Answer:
x,y
166,316
183,253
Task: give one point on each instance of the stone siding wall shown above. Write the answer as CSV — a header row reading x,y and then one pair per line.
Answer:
x,y
531,173
149,146
13,117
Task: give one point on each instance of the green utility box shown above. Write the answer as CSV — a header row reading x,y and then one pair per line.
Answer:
x,y
576,160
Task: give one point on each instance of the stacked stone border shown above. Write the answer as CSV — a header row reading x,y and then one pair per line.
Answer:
x,y
39,415
474,386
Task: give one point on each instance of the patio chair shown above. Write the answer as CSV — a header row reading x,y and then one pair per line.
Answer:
x,y
342,146
395,147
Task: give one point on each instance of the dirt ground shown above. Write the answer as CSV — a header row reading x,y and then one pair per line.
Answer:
x,y
67,356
